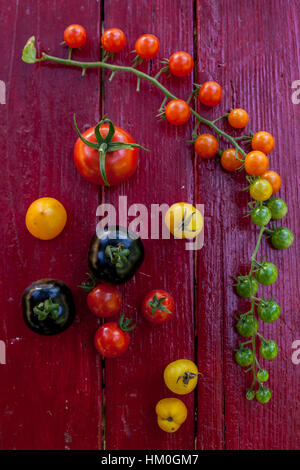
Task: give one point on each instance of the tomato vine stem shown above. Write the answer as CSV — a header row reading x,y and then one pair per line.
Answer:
x,y
139,74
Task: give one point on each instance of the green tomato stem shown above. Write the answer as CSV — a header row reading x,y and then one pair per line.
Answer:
x,y
139,74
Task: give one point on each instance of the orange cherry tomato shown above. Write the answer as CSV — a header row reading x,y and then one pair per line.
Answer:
x,y
75,36
104,300
119,165
46,217
256,163
181,63
210,93
147,46
238,118
229,161
206,145
274,179
113,40
263,141
177,112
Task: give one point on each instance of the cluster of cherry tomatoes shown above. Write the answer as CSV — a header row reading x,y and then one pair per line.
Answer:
x,y
104,300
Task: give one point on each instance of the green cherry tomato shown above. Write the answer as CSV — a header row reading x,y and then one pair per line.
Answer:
x,y
262,375
250,394
268,310
244,357
277,207
244,285
247,326
266,274
263,395
282,238
268,349
261,216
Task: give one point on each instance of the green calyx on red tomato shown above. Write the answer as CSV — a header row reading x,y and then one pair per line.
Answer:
x,y
158,306
105,154
112,339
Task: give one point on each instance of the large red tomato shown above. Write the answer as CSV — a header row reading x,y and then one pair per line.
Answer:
x,y
119,164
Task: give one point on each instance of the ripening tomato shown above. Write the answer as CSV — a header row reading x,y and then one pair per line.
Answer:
x,y
210,93
181,63
263,141
177,112
104,300
113,40
171,413
112,339
119,165
238,118
75,36
206,146
158,306
147,46
46,217
261,190
229,161
256,163
274,179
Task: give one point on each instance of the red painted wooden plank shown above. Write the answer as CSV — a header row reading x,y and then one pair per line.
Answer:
x,y
50,395
134,382
253,54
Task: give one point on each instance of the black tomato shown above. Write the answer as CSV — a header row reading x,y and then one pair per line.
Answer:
x,y
115,254
48,306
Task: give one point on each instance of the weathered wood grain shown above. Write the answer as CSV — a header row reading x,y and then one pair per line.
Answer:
x,y
50,392
134,382
253,51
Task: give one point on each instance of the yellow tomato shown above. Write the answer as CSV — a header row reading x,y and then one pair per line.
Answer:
x,y
184,220
181,376
46,218
171,413
261,190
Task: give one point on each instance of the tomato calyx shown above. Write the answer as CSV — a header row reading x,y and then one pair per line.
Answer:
x,y
187,376
118,255
89,284
184,223
45,309
105,145
156,304
126,324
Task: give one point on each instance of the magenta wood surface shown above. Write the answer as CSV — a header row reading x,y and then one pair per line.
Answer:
x,y
56,393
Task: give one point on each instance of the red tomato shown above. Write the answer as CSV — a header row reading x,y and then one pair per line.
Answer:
x,y
113,40
120,164
75,35
104,300
256,163
210,93
147,46
177,112
181,63
158,306
110,340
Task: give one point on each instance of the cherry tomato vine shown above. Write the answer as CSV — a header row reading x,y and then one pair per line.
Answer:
x,y
262,183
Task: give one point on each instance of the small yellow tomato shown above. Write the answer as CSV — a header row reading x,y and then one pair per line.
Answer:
x,y
181,376
45,218
261,190
171,413
184,220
